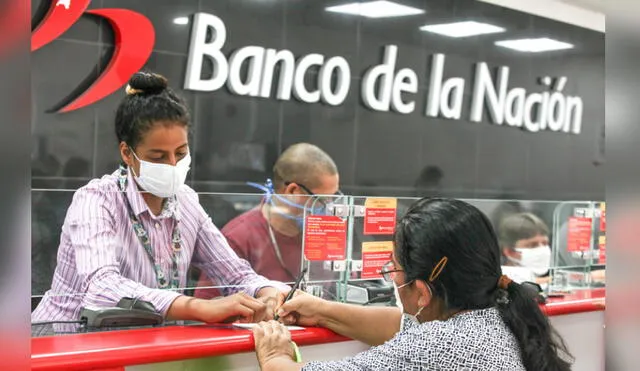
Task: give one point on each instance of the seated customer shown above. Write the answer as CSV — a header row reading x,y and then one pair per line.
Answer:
x,y
133,233
269,236
524,239
459,311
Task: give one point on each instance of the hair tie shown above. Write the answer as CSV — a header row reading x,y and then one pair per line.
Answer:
x,y
504,282
131,91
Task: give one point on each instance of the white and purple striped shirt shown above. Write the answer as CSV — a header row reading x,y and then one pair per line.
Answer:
x,y
101,260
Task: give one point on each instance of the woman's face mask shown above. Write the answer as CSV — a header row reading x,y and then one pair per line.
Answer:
x,y
413,317
162,180
537,259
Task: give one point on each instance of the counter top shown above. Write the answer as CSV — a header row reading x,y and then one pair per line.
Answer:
x,y
149,345
113,349
576,302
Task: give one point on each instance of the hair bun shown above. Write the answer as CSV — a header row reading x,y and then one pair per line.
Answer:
x,y
146,83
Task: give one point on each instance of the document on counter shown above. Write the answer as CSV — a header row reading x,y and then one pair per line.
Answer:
x,y
249,326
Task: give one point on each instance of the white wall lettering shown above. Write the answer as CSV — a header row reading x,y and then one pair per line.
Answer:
x,y
391,85
406,81
302,66
383,88
287,63
199,48
338,68
254,55
484,89
534,112
444,98
331,86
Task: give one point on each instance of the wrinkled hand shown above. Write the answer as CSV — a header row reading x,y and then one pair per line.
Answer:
x,y
273,340
303,309
272,298
238,307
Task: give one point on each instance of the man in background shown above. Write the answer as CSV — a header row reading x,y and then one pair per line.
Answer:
x,y
269,236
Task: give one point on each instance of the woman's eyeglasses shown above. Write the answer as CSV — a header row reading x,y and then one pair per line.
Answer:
x,y
388,271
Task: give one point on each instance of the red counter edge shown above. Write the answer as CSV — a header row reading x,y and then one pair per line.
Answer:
x,y
188,342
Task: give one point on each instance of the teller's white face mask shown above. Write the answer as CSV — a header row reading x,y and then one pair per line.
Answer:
x,y
162,180
537,259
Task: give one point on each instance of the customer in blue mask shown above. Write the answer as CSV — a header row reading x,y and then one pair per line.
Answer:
x,y
269,236
459,311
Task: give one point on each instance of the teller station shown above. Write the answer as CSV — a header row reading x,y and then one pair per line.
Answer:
x,y
343,244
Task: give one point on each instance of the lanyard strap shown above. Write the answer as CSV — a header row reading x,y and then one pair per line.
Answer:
x,y
164,282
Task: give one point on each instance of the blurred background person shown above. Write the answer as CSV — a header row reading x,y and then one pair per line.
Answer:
x,y
429,182
269,236
525,247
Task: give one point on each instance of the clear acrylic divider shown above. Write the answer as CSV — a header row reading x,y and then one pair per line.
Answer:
x,y
242,221
579,256
325,245
341,241
373,224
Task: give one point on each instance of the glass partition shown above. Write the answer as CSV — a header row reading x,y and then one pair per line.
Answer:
x,y
581,254
325,238
341,242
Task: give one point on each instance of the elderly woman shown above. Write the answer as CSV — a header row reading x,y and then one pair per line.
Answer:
x,y
459,311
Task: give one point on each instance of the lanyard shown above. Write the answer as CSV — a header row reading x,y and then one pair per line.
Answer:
x,y
275,245
176,241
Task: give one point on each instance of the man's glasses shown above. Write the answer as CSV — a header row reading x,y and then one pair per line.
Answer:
x,y
324,200
388,271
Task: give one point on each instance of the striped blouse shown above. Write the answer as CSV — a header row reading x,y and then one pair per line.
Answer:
x,y
101,260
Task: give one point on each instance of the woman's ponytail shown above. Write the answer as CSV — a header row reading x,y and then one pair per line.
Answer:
x,y
541,348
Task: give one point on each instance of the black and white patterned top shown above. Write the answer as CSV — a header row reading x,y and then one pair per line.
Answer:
x,y
475,340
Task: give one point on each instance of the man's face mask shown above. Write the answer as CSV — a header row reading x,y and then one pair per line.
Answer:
x,y
313,205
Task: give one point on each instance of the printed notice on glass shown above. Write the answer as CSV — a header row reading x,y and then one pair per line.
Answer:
x,y
380,216
579,234
325,237
375,255
603,217
602,250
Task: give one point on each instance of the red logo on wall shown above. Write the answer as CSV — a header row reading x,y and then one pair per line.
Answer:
x,y
134,41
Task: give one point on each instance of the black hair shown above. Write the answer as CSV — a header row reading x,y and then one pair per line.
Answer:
x,y
149,101
434,228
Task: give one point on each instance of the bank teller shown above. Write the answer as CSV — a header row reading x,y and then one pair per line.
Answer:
x,y
133,233
459,311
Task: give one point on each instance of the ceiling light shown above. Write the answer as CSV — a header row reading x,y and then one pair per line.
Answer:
x,y
538,45
375,9
181,20
462,29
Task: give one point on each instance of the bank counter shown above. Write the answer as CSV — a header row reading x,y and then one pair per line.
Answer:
x,y
579,317
361,232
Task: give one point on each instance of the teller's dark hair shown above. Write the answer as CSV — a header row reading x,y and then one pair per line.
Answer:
x,y
149,101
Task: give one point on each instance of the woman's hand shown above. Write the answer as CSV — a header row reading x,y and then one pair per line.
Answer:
x,y
273,342
303,309
238,307
273,299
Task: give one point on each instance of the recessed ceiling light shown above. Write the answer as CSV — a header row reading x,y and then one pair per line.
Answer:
x,y
181,20
538,45
375,9
462,29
